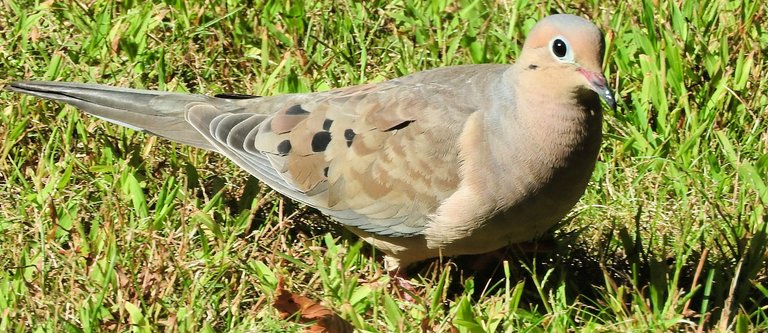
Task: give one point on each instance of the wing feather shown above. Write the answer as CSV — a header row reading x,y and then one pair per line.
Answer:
x,y
375,157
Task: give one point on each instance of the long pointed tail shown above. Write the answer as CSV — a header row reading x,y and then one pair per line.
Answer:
x,y
155,112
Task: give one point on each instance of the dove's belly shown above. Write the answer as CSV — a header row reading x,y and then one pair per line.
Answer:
x,y
491,210
521,222
525,220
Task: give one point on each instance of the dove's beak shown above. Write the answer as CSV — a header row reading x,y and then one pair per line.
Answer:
x,y
598,84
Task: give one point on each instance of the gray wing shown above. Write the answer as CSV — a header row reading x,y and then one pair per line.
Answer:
x,y
378,157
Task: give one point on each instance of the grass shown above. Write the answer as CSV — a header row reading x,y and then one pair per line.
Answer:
x,y
105,229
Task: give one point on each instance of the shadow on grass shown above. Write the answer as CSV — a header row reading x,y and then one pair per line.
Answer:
x,y
704,288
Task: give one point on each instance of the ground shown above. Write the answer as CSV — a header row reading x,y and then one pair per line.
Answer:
x,y
106,229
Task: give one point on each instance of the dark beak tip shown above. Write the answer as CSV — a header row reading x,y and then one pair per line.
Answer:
x,y
610,100
607,95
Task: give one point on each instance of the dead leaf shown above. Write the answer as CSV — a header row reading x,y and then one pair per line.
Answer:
x,y
427,326
307,311
114,45
34,34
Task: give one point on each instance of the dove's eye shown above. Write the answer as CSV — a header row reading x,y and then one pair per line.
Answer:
x,y
561,50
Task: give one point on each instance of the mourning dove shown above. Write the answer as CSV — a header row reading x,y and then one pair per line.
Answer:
x,y
450,161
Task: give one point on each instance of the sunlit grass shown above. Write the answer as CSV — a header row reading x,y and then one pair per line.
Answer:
x,y
105,229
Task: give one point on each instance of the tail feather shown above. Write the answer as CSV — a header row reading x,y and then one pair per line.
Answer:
x,y
155,112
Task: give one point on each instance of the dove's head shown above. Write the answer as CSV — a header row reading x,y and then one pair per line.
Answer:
x,y
569,49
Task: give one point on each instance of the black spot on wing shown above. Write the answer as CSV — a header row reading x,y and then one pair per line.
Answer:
x,y
399,126
296,110
349,135
532,66
325,172
327,124
235,96
320,141
284,147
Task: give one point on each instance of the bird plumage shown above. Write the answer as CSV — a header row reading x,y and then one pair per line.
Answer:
x,y
455,160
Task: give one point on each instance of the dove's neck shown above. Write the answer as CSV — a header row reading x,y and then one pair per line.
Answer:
x,y
543,135
526,158
555,117
555,122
